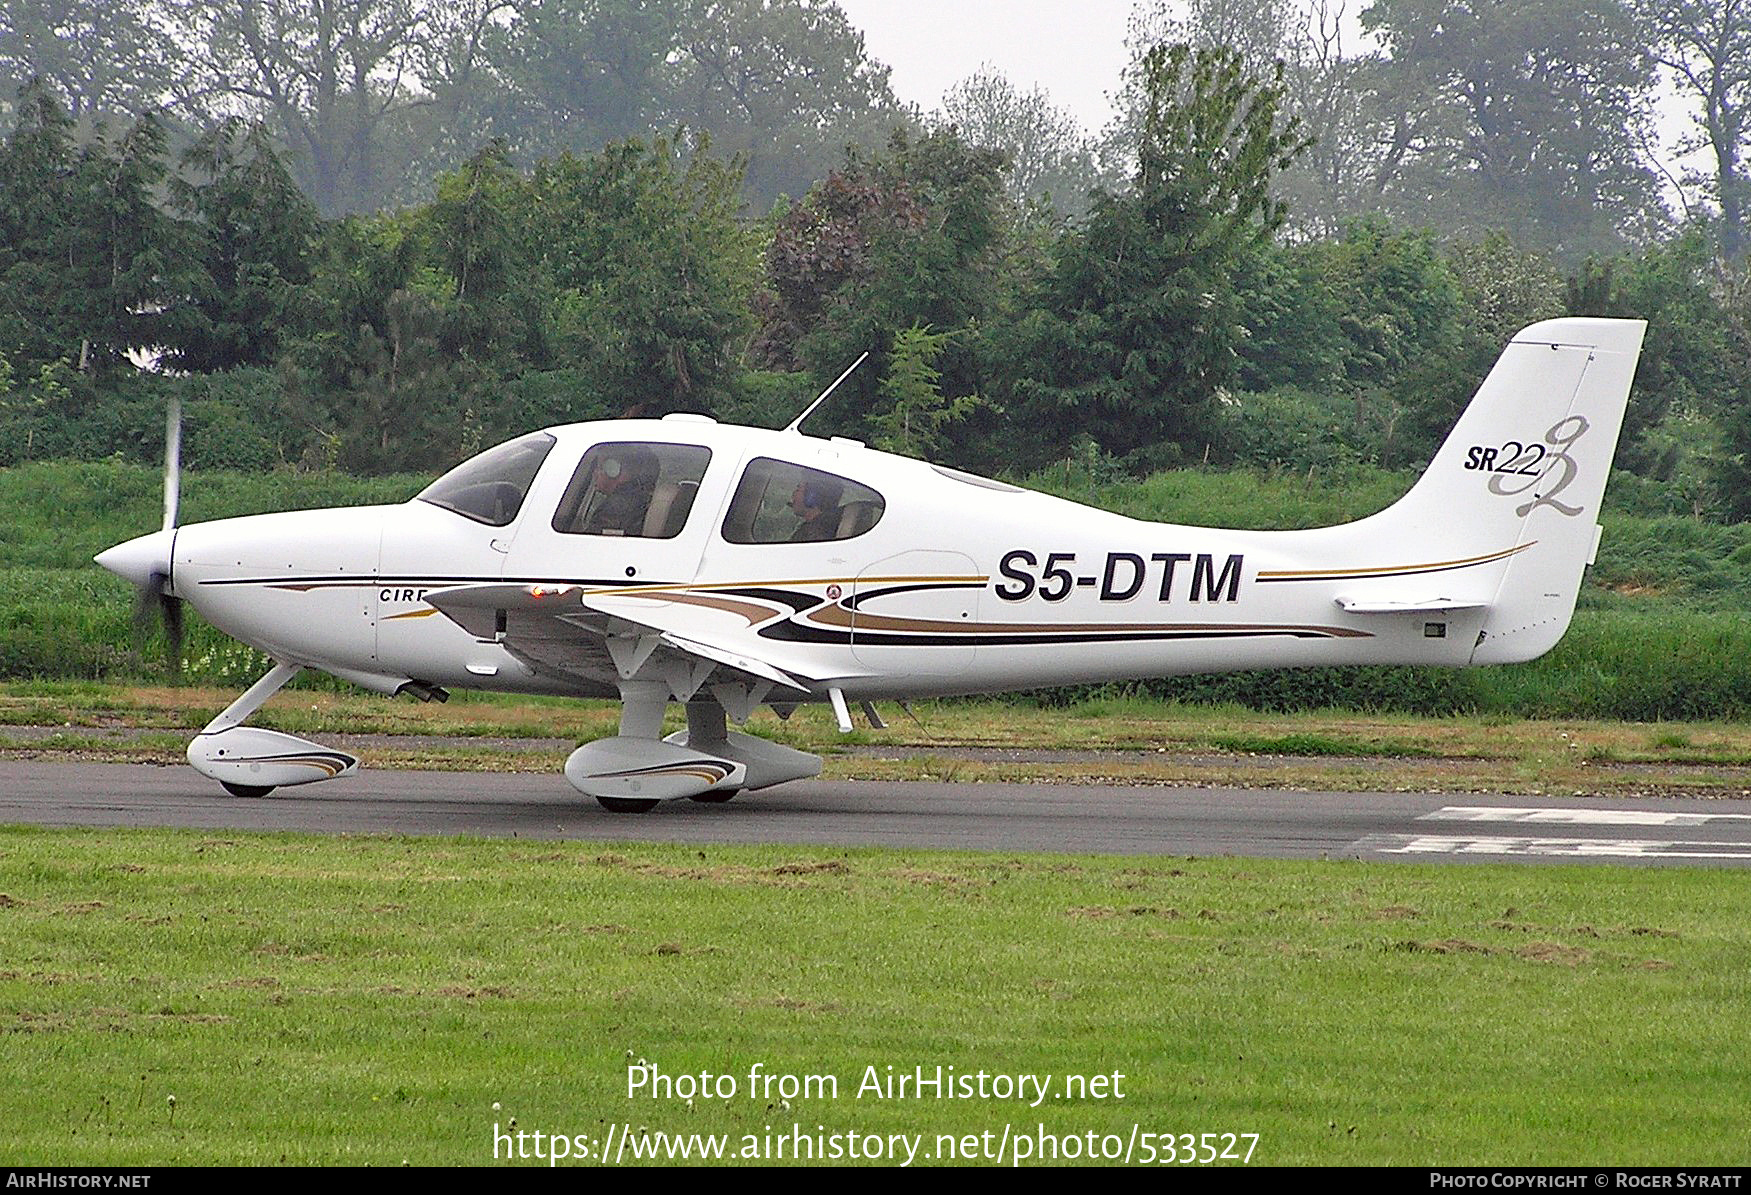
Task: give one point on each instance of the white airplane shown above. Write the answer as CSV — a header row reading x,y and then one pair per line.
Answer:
x,y
723,567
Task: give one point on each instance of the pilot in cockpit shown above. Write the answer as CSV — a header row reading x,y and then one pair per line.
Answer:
x,y
620,491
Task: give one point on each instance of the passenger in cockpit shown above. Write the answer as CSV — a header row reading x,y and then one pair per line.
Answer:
x,y
816,502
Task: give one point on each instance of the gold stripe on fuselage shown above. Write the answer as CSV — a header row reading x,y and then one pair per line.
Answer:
x,y
1336,574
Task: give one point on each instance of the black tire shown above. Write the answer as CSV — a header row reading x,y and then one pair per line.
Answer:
x,y
626,804
247,790
714,798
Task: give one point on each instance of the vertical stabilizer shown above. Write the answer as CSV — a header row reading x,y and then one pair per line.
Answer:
x,y
1522,474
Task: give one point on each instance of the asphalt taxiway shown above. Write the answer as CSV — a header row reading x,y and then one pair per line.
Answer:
x,y
1094,818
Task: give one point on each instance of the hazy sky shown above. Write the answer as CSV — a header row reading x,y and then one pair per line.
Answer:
x,y
1074,49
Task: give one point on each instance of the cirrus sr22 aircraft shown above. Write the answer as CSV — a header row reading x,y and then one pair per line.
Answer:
x,y
723,567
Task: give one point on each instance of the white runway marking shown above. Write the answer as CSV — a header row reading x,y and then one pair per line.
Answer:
x,y
1577,817
1621,848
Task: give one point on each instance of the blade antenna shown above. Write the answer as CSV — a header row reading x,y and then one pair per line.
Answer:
x,y
796,424
172,461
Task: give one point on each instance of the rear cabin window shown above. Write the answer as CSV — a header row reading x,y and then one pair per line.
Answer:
x,y
781,503
639,491
490,488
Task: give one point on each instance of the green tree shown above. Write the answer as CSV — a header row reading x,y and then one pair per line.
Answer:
x,y
1686,372
917,411
651,272
1527,118
339,321
1348,328
481,232
1136,335
39,212
912,236
1730,468
134,257
369,381
93,265
256,237
1502,289
1397,301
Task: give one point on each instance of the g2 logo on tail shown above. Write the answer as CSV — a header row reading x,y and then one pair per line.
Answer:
x,y
1516,467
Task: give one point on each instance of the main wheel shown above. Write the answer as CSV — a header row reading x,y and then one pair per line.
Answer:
x,y
714,798
247,790
626,804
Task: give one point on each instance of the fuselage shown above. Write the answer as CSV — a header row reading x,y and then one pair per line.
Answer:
x,y
928,582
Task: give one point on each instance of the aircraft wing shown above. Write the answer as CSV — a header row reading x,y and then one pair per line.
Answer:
x,y
604,637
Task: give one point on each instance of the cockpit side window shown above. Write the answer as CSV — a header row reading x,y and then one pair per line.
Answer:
x,y
490,488
641,491
780,503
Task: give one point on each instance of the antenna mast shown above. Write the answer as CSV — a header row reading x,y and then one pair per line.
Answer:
x,y
796,424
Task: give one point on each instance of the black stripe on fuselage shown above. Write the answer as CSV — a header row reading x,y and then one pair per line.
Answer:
x,y
857,599
803,633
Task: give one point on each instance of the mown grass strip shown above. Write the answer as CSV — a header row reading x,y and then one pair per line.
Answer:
x,y
369,1000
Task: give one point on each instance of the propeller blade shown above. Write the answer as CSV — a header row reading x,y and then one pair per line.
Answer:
x,y
154,607
171,609
146,600
172,461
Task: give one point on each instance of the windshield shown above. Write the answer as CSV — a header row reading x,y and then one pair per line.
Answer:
x,y
490,488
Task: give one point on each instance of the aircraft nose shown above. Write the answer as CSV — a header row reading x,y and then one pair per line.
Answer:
x,y
138,560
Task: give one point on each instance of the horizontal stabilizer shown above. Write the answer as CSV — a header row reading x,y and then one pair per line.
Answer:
x,y
1426,606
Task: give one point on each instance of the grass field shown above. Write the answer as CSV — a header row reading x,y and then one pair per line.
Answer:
x,y
373,1000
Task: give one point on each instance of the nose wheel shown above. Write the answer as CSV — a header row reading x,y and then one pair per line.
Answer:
x,y
626,804
247,790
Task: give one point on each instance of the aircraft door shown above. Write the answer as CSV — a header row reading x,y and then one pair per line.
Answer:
x,y
917,613
630,513
454,535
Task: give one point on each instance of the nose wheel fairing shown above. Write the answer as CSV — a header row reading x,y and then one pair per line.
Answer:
x,y
250,761
252,758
